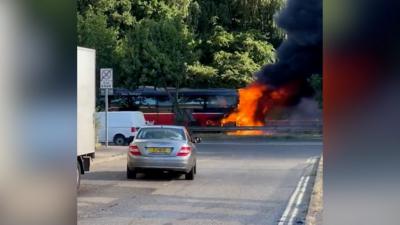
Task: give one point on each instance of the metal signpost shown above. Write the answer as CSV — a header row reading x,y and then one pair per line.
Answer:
x,y
106,82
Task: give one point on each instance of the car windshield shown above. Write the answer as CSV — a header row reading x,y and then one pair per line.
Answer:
x,y
161,133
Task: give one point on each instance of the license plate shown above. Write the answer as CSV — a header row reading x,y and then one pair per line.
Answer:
x,y
159,150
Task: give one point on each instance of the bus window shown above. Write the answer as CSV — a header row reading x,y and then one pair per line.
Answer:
x,y
149,101
137,100
191,102
118,103
164,104
146,103
221,102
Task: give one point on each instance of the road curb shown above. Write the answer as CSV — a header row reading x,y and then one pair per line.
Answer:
x,y
111,158
315,207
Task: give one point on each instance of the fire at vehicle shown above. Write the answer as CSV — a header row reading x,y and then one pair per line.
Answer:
x,y
255,102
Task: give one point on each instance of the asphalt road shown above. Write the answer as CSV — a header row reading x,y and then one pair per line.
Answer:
x,y
238,182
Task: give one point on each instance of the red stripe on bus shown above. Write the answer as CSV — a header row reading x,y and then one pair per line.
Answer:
x,y
201,119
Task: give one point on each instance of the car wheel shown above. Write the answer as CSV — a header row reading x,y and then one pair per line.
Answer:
x,y
130,174
119,139
195,168
190,174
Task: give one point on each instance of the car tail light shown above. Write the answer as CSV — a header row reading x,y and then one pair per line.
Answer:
x,y
134,150
184,151
133,129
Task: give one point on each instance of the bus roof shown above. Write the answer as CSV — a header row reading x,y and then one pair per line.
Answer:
x,y
186,91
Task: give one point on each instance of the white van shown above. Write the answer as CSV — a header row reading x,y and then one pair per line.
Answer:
x,y
122,126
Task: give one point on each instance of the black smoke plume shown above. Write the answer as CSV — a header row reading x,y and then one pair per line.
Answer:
x,y
300,54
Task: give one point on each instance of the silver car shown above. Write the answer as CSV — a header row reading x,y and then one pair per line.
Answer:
x,y
168,148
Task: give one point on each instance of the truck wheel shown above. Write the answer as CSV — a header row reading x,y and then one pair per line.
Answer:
x,y
130,174
119,139
190,175
78,176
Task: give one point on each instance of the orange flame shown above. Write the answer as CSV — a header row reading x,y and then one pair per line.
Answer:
x,y
255,101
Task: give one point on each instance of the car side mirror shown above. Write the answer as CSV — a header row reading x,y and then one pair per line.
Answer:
x,y
196,140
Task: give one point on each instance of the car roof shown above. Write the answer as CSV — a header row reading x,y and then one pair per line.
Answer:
x,y
164,126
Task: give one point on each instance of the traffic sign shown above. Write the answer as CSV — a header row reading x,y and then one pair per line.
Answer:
x,y
103,92
106,82
106,78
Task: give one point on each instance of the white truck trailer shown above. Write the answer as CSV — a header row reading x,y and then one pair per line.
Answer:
x,y
86,98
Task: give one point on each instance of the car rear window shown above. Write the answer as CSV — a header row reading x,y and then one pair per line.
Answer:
x,y
161,133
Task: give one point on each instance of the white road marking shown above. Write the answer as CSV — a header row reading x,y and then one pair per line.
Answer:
x,y
291,202
299,200
296,198
302,191
311,160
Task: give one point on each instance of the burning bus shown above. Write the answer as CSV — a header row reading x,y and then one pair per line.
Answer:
x,y
202,107
256,105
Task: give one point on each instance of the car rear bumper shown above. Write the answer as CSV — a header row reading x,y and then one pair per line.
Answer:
x,y
181,164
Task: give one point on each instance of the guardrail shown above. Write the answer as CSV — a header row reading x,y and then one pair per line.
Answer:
x,y
311,128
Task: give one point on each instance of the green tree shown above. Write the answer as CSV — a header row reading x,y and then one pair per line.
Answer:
x,y
260,51
235,69
93,32
158,54
242,16
237,56
221,39
158,9
118,12
194,13
201,76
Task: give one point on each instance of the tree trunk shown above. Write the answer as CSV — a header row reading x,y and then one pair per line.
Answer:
x,y
179,115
